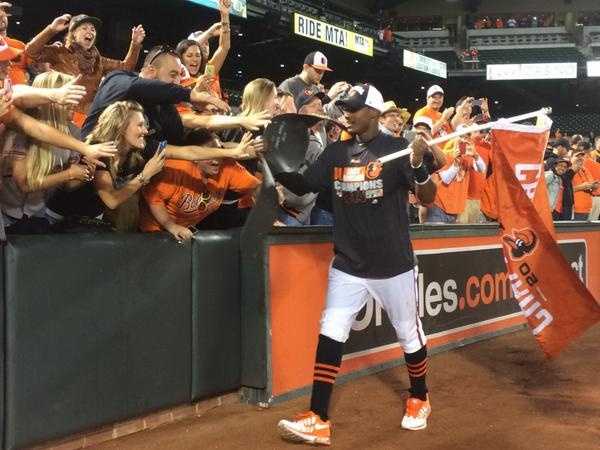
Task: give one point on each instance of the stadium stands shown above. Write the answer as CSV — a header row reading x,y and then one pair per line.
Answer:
x,y
431,40
519,38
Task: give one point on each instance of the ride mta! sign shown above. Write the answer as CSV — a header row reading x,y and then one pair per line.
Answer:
x,y
329,34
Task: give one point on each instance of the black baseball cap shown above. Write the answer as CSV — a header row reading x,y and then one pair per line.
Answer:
x,y
567,161
80,19
308,94
360,96
317,60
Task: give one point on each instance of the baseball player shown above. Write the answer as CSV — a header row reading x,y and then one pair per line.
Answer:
x,y
373,254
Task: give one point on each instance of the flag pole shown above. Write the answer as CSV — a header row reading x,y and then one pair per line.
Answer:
x,y
467,130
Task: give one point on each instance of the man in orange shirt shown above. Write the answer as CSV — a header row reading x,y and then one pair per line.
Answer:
x,y
18,67
441,120
186,192
593,168
584,185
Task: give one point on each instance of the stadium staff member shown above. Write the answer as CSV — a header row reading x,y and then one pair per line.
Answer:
x,y
373,253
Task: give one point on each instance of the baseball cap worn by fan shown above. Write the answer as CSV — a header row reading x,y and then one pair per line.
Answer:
x,y
80,19
360,96
567,161
435,89
423,120
308,94
318,61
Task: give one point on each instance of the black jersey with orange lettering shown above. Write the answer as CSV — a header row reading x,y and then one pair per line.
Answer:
x,y
370,236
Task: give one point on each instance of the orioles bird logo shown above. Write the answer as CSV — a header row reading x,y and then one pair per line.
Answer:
x,y
522,242
373,169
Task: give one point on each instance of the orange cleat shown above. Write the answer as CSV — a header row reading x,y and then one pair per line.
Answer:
x,y
306,427
417,412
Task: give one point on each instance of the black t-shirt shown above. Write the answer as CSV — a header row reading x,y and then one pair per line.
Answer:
x,y
370,234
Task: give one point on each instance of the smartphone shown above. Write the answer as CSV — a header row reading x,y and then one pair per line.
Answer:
x,y
162,146
209,70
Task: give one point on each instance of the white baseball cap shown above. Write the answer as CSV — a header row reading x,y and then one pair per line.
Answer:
x,y
435,89
423,120
360,96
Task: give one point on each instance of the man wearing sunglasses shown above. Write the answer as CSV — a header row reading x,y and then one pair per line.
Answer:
x,y
157,89
314,68
373,253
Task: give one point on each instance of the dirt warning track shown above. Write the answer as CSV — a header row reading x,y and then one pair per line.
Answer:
x,y
498,394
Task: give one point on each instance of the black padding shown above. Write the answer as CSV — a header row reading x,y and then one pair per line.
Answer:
x,y
254,281
216,348
98,330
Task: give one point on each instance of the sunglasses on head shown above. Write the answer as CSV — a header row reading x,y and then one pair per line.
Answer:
x,y
163,50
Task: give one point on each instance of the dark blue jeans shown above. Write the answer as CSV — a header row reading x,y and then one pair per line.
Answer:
x,y
319,216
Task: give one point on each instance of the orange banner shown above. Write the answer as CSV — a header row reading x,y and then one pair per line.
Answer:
x,y
556,304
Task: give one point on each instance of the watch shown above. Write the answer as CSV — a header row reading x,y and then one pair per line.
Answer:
x,y
143,181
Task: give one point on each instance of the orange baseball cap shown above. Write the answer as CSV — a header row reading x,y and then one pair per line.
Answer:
x,y
8,53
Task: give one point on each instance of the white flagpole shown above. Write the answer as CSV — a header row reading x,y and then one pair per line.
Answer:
x,y
467,130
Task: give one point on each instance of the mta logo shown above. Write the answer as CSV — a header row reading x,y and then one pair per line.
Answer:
x,y
521,243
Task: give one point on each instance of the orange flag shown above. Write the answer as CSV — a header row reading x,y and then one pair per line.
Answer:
x,y
557,305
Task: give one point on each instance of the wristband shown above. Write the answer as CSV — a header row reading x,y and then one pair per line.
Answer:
x,y
421,174
143,180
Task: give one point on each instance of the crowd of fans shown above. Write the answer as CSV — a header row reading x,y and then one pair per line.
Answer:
x,y
88,144
515,21
589,19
